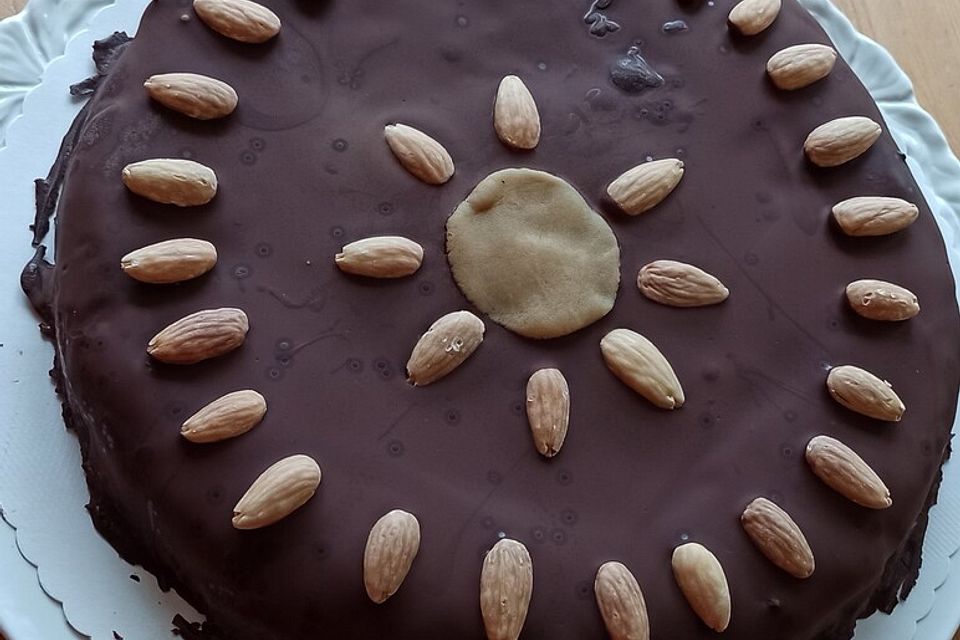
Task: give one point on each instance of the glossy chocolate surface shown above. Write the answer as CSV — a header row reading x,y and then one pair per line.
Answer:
x,y
303,170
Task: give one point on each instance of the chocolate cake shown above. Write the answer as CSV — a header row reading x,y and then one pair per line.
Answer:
x,y
501,318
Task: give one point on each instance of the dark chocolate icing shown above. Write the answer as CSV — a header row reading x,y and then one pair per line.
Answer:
x,y
303,169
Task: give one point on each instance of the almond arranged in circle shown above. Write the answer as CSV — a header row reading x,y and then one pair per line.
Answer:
x,y
879,300
192,94
170,261
639,364
392,545
506,586
842,140
380,257
750,17
703,582
445,346
421,155
778,537
646,185
874,215
241,20
861,391
515,115
228,416
200,336
548,410
279,491
845,472
621,603
183,183
801,65
678,284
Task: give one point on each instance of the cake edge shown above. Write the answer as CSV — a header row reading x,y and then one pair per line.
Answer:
x,y
898,578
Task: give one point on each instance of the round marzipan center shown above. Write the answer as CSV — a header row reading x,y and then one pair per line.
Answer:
x,y
527,250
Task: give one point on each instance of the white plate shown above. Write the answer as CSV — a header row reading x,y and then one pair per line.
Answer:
x,y
42,490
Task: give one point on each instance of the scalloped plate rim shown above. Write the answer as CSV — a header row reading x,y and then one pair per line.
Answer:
x,y
922,139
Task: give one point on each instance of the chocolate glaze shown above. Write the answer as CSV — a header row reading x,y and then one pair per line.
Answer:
x,y
303,169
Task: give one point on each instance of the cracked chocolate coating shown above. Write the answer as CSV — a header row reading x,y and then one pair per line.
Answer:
x,y
303,170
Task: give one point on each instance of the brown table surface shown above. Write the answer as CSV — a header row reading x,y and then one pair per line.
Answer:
x,y
921,34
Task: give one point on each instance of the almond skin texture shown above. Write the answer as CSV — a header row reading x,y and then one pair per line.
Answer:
x,y
621,603
381,257
200,336
445,346
778,537
678,284
874,215
240,20
170,261
279,491
845,472
192,94
392,545
183,183
863,392
801,65
548,410
421,155
750,17
506,585
515,116
640,365
226,417
704,584
879,300
646,185
840,141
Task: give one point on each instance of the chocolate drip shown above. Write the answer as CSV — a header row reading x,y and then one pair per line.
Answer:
x,y
600,24
105,53
36,282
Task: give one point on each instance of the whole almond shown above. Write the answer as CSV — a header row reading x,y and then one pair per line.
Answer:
x,y
801,65
506,585
548,410
874,215
392,545
646,185
863,392
841,140
640,365
750,17
279,491
380,257
241,20
200,336
879,300
184,183
421,155
845,472
678,284
226,417
621,603
778,537
170,261
192,94
515,115
445,346
703,583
